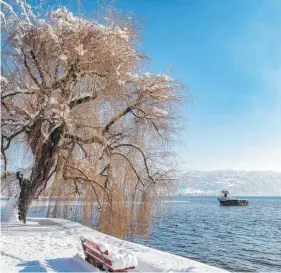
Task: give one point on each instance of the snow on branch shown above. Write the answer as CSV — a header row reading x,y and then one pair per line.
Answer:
x,y
73,90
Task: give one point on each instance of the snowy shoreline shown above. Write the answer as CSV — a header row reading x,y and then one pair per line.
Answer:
x,y
53,245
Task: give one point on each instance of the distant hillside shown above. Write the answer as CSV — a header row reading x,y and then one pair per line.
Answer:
x,y
257,183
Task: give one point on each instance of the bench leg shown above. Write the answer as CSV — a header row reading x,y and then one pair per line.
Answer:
x,y
94,262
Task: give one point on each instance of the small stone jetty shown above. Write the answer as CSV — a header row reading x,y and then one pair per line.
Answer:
x,y
234,202
227,200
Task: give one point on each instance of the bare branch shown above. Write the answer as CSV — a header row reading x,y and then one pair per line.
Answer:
x,y
43,81
142,153
94,139
16,93
97,196
105,168
45,184
152,122
12,136
118,117
131,165
82,100
29,70
62,82
83,149
85,176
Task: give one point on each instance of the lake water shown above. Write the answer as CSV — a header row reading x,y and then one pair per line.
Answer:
x,y
244,239
234,238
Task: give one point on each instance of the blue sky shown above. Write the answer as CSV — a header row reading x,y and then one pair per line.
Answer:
x,y
228,54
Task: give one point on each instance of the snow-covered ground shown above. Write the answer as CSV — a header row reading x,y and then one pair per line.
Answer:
x,y
53,245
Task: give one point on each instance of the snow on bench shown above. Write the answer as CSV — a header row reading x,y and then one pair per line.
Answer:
x,y
111,258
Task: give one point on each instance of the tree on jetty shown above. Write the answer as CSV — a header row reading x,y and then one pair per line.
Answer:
x,y
98,128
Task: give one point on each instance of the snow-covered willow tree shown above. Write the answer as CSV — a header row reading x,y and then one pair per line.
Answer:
x,y
99,129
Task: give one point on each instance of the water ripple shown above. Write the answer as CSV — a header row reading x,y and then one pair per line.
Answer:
x,y
244,239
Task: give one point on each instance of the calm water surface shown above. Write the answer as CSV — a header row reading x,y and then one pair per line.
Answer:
x,y
244,239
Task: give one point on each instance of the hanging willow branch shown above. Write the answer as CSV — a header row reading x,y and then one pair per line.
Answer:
x,y
74,95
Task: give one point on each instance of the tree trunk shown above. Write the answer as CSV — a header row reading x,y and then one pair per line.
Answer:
x,y
46,154
24,199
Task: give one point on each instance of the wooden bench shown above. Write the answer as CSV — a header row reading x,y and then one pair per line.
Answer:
x,y
100,257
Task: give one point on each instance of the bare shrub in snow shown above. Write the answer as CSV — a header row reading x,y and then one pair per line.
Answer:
x,y
98,128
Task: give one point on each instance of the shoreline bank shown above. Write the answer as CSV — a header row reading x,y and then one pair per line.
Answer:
x,y
50,244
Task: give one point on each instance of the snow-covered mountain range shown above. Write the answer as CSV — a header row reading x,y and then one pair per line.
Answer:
x,y
254,183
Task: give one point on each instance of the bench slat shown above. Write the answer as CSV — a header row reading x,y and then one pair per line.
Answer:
x,y
93,245
98,256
